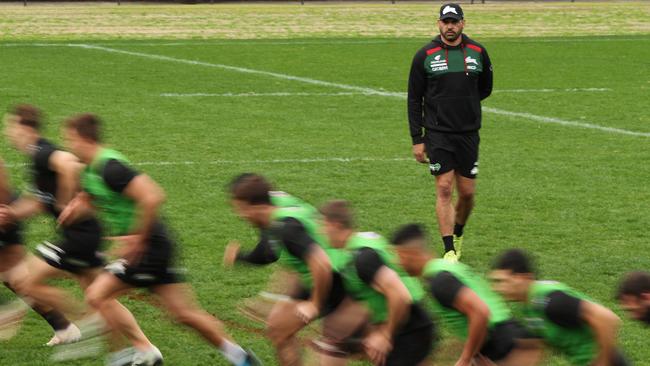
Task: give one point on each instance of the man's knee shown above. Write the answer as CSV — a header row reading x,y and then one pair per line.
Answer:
x,y
94,297
444,190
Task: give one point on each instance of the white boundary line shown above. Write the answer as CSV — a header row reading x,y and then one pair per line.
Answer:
x,y
240,42
250,162
370,91
308,94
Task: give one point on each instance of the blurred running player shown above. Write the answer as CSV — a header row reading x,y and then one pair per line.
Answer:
x,y
290,234
128,203
13,269
568,321
400,332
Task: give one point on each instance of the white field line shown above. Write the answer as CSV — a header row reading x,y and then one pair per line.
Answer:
x,y
240,42
308,94
253,162
545,90
536,118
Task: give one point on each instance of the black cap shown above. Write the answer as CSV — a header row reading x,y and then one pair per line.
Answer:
x,y
451,11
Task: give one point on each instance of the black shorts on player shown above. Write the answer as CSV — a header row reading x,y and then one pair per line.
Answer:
x,y
334,298
79,250
447,152
155,267
502,339
414,340
12,235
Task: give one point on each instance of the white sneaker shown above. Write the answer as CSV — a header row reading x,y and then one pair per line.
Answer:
x,y
121,358
152,357
71,334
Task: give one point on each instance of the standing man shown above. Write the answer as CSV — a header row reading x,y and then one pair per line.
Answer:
x,y
449,78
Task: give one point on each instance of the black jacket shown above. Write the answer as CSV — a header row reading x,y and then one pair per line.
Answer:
x,y
446,86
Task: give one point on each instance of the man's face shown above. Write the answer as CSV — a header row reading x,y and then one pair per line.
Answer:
x,y
332,230
73,142
248,212
17,134
451,29
410,255
638,307
512,286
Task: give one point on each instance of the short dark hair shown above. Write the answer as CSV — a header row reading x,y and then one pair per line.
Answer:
x,y
408,232
86,125
338,211
634,284
251,188
515,260
28,115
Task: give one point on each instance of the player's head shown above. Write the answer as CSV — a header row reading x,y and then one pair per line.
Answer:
x,y
634,295
451,22
410,243
251,198
338,222
512,274
82,135
22,125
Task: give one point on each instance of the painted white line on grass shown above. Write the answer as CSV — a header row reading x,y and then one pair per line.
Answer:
x,y
249,162
370,91
253,94
309,94
567,90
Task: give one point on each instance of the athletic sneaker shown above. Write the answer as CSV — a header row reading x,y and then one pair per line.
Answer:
x,y
90,344
458,245
152,357
71,334
450,256
121,358
11,319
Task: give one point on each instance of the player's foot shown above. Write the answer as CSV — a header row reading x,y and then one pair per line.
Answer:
x,y
251,359
450,256
90,344
70,334
11,319
152,357
458,245
121,358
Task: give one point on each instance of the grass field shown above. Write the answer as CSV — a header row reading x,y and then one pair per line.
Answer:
x,y
321,111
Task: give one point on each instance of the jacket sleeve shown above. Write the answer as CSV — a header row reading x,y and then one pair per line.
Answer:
x,y
485,78
416,89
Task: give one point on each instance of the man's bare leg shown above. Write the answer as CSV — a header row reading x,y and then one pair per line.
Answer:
x,y
282,326
444,208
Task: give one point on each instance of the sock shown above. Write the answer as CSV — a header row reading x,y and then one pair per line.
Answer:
x,y
458,230
233,352
54,318
448,241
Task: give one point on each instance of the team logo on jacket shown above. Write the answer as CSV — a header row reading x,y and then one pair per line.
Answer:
x,y
469,60
439,64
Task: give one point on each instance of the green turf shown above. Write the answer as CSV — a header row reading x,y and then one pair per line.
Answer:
x,y
575,197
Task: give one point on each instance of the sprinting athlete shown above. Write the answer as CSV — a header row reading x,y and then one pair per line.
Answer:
x,y
128,204
580,329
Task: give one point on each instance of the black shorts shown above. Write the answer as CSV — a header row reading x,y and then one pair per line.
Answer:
x,y
334,298
457,152
12,235
156,266
79,250
502,339
414,341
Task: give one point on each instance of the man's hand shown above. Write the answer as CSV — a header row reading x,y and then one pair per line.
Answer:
x,y
129,247
420,154
7,216
230,254
378,345
73,210
307,311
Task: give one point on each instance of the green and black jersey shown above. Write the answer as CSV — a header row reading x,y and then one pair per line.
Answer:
x,y
446,86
